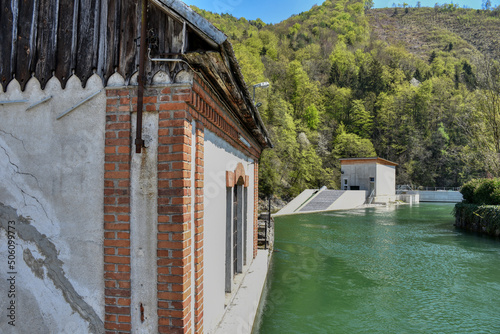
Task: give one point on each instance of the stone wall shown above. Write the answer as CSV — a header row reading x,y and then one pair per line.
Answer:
x,y
483,219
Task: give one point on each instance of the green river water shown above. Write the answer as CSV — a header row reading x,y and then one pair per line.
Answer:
x,y
381,270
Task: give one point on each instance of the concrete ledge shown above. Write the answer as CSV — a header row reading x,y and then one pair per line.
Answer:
x,y
297,202
241,311
351,199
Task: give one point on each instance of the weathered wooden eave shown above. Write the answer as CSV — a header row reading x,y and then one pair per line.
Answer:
x,y
62,38
220,68
182,12
212,67
252,109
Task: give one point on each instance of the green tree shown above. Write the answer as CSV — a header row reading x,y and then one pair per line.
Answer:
x,y
269,174
350,145
362,121
300,90
344,71
432,57
488,100
368,4
311,117
338,103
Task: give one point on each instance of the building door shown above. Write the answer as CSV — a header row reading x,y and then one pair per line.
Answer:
x,y
345,183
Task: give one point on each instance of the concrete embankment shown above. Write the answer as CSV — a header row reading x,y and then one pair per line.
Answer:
x,y
444,196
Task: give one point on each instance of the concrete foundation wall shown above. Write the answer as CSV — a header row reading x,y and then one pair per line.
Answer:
x,y
407,198
46,165
219,158
296,203
349,200
438,196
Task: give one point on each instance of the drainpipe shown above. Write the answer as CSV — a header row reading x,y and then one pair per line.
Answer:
x,y
139,142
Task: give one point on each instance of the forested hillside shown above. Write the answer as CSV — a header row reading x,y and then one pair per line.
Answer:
x,y
417,86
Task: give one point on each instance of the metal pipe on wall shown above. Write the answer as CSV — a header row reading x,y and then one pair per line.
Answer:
x,y
139,142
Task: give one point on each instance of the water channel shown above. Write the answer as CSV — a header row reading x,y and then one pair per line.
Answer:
x,y
381,270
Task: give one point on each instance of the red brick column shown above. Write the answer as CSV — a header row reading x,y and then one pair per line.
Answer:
x,y
255,207
199,215
117,212
174,212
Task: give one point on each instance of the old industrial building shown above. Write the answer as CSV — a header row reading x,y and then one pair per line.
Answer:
x,y
129,149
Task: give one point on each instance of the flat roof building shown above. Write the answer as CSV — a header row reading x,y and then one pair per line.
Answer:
x,y
375,175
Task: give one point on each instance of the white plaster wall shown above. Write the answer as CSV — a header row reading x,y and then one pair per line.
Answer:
x,y
220,157
51,183
385,181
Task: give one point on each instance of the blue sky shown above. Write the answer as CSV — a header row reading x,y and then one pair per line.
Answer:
x,y
274,11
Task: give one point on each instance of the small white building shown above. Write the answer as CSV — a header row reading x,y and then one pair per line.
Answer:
x,y
375,175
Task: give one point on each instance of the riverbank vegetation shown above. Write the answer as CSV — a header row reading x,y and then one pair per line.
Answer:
x,y
416,86
480,209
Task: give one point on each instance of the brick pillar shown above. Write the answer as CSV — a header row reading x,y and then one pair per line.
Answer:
x,y
174,212
117,212
256,207
199,215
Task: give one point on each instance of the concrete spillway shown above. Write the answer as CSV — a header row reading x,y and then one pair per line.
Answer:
x,y
314,200
323,201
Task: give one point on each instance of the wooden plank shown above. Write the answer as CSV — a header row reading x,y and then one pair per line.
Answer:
x,y
128,35
64,41
103,41
112,36
74,36
46,40
95,38
168,35
26,41
177,34
172,43
156,39
211,34
147,64
6,42
85,52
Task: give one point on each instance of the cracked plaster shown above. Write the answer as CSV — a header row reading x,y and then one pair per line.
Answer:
x,y
51,172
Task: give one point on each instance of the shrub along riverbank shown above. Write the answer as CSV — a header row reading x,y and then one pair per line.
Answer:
x,y
480,209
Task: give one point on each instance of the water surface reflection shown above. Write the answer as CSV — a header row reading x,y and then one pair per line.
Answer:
x,y
382,270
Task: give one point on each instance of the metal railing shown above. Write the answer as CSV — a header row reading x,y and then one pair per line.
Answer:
x,y
370,198
406,187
